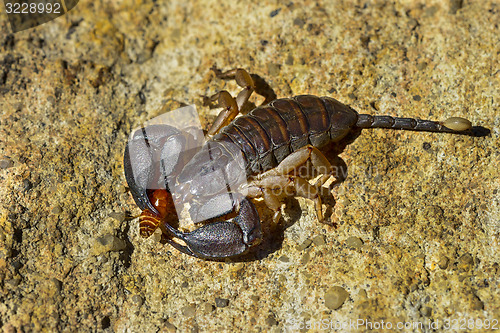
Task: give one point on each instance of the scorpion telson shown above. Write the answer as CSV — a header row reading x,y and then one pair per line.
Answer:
x,y
274,140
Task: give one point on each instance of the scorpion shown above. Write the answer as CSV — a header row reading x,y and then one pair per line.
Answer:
x,y
274,139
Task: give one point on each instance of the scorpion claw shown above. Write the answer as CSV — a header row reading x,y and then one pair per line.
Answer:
x,y
147,149
221,239
138,174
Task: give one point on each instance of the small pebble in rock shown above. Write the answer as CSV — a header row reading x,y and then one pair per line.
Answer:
x,y
271,321
207,307
344,201
137,300
284,259
274,69
169,327
421,66
465,262
57,210
353,242
108,243
55,284
319,240
335,297
426,311
119,216
305,258
377,179
443,262
6,163
275,12
27,185
221,302
13,282
188,311
475,303
255,298
299,22
455,5
305,244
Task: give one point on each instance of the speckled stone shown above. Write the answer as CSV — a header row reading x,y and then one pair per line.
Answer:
x,y
425,205
353,242
108,243
335,297
221,302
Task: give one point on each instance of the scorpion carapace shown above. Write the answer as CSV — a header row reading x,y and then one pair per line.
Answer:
x,y
274,140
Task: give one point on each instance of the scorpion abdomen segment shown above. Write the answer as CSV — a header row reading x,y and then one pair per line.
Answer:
x,y
295,119
233,134
342,118
268,134
276,128
317,117
259,137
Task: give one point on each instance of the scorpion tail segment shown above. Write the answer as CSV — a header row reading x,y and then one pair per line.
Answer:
x,y
451,125
224,239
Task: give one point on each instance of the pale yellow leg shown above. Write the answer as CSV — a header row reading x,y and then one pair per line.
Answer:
x,y
299,157
231,106
273,187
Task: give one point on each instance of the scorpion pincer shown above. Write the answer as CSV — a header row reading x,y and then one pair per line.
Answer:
x,y
273,139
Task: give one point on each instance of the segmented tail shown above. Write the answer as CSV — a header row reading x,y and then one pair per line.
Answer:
x,y
451,125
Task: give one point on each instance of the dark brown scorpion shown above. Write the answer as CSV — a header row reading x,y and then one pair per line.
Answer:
x,y
273,140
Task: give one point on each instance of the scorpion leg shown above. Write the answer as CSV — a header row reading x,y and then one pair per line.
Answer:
x,y
278,178
229,112
271,200
272,186
225,100
249,83
242,78
223,239
298,158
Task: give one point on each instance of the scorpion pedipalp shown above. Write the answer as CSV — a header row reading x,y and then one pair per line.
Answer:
x,y
151,155
154,157
222,239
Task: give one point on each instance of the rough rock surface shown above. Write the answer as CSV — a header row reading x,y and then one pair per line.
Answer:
x,y
417,219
